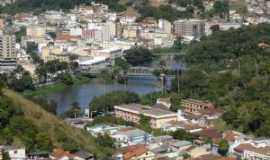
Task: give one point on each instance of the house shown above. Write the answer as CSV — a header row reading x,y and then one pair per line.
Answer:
x,y
196,152
131,136
16,153
60,154
208,134
38,155
262,153
238,151
212,157
83,155
199,112
180,145
185,125
135,152
132,112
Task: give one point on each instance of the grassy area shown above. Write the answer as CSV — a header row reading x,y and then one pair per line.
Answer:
x,y
58,86
54,126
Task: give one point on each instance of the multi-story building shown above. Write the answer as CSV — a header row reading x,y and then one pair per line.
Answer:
x,y
196,106
5,2
189,28
36,31
2,23
54,53
7,46
132,112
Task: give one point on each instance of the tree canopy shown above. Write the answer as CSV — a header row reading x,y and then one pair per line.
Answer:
x,y
231,68
139,56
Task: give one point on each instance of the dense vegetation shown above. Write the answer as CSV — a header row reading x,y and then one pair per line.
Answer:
x,y
139,56
105,103
23,122
231,68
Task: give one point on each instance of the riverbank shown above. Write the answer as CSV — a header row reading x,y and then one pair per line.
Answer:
x,y
55,87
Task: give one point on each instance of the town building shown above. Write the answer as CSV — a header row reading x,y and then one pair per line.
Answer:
x,y
8,46
131,136
16,153
195,106
135,152
262,153
132,112
2,23
189,28
36,31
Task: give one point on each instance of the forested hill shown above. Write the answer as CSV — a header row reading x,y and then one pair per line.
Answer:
x,y
232,69
142,6
23,122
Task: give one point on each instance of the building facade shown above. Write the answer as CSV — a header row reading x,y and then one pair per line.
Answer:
x,y
196,106
132,113
189,28
7,46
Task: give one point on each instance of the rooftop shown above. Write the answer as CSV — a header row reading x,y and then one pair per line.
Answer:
x,y
261,150
146,110
133,151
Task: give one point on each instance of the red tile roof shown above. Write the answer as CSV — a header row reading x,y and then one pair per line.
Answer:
x,y
133,151
209,133
244,146
58,153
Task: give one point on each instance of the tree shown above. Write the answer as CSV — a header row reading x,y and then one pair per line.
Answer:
x,y
223,147
178,44
6,156
66,78
145,122
106,102
182,135
221,7
139,56
43,142
105,141
19,34
74,111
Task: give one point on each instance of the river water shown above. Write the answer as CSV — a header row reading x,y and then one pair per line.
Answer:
x,y
83,94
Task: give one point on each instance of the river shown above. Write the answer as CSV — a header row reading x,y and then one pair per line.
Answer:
x,y
83,94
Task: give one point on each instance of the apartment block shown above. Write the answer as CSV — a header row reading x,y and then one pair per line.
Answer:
x,y
7,46
189,28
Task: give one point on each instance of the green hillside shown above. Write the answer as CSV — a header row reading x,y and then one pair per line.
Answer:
x,y
232,69
46,129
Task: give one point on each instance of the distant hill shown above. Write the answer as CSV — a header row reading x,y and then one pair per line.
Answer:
x,y
56,129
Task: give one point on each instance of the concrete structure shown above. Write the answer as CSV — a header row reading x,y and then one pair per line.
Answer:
x,y
16,153
165,25
135,152
196,106
131,112
7,46
262,153
54,53
36,31
189,28
131,136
